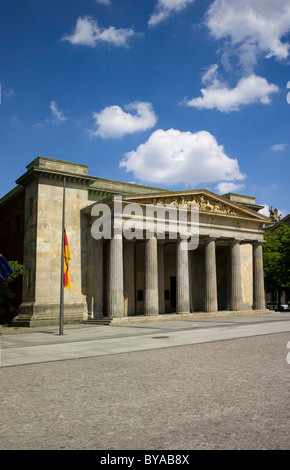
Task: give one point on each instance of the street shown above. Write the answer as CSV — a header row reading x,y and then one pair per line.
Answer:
x,y
220,384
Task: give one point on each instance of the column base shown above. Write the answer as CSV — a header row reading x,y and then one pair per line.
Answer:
x,y
184,316
32,314
92,316
212,307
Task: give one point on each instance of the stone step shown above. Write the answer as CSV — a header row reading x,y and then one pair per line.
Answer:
x,y
97,321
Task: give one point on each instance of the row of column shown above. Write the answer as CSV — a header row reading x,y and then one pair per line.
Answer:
x,y
236,301
153,279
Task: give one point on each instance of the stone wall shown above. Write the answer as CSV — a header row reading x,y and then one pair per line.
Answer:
x,y
42,251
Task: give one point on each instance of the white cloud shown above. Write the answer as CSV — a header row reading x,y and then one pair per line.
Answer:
x,y
114,122
174,157
250,89
165,8
15,119
8,92
252,26
229,187
88,33
211,75
265,211
57,113
38,125
104,2
278,147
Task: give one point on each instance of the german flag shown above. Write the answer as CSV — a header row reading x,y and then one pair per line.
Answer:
x,y
67,257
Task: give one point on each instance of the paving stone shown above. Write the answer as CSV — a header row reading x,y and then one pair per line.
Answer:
x,y
231,394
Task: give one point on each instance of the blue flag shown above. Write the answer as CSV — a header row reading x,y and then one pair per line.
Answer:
x,y
5,269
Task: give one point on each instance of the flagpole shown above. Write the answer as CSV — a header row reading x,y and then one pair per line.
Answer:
x,y
62,262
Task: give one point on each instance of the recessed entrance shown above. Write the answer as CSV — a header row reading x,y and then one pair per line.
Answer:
x,y
173,292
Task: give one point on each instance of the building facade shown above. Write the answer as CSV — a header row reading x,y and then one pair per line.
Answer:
x,y
125,278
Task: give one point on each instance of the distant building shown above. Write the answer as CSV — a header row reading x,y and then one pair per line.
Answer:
x,y
114,280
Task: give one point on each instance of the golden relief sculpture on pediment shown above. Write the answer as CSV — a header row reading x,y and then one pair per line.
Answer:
x,y
205,203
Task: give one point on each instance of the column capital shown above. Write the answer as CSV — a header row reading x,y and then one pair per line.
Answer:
x,y
235,240
257,242
210,239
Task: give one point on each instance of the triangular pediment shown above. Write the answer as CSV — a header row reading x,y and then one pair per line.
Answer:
x,y
207,201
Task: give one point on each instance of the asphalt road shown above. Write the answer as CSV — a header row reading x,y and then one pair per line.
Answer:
x,y
220,384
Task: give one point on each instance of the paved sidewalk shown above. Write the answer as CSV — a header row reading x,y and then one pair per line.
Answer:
x,y
226,386
46,345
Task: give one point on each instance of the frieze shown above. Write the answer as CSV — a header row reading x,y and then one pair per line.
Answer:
x,y
205,204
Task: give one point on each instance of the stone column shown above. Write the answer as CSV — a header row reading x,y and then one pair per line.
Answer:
x,y
129,279
258,278
151,277
90,274
116,296
182,278
210,288
161,278
236,277
228,277
96,260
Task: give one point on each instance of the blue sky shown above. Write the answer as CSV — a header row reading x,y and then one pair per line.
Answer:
x,y
171,93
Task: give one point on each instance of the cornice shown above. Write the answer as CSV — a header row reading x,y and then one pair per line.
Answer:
x,y
53,175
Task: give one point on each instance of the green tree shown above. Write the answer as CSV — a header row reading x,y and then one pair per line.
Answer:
x,y
276,258
6,289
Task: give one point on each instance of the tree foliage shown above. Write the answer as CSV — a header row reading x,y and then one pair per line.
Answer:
x,y
276,258
6,291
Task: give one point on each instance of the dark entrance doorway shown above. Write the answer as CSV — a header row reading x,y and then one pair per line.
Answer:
x,y
173,292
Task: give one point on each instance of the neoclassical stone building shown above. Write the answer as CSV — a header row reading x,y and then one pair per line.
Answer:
x,y
116,279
